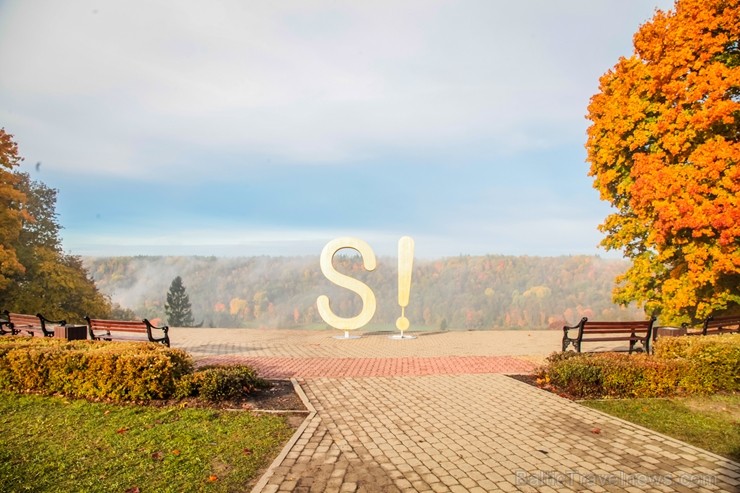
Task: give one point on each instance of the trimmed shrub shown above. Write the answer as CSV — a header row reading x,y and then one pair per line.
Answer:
x,y
575,374
681,365
714,360
118,371
219,383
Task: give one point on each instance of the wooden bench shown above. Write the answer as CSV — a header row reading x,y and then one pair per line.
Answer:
x,y
108,330
596,331
31,324
716,325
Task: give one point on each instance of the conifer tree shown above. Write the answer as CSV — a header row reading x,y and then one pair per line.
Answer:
x,y
178,305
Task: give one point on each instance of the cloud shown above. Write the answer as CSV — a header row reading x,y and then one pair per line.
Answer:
x,y
180,240
460,123
303,82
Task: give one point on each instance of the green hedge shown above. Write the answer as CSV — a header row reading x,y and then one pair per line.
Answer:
x,y
219,383
680,365
118,371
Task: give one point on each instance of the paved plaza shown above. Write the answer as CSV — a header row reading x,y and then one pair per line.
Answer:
x,y
438,413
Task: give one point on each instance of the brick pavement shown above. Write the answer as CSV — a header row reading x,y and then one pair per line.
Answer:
x,y
374,367
478,433
436,414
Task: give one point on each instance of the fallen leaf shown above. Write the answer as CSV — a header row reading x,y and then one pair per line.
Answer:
x,y
175,452
247,451
106,413
212,478
122,430
135,489
596,430
158,455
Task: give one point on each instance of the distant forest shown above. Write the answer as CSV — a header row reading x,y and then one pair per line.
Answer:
x,y
455,293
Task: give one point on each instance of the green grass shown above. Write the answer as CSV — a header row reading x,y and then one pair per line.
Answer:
x,y
709,422
57,444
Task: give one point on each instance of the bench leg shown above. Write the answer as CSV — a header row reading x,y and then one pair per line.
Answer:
x,y
566,343
572,342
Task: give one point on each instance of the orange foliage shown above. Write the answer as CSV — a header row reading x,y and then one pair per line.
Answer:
x,y
12,213
664,149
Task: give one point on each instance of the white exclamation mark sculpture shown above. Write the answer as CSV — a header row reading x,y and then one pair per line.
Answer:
x,y
405,266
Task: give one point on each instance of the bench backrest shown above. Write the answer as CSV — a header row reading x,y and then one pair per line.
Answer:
x,y
727,323
596,326
139,326
32,323
21,320
117,325
718,325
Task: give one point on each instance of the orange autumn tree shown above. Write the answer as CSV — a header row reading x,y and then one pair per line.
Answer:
x,y
11,214
664,150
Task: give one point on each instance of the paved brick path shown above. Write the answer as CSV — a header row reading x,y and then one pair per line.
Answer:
x,y
478,433
375,367
436,414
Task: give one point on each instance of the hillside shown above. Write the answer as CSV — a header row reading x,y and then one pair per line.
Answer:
x,y
466,292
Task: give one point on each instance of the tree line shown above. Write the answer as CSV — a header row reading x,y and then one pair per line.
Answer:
x,y
465,292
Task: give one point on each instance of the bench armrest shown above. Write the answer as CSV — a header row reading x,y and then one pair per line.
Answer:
x,y
9,330
575,341
47,321
164,328
579,325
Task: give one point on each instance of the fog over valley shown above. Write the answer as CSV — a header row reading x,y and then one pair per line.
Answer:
x,y
455,293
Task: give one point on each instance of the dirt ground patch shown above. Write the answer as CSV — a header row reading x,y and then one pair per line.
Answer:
x,y
279,396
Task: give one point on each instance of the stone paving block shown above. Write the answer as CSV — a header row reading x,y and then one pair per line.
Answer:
x,y
449,480
505,486
457,488
288,485
439,487
731,473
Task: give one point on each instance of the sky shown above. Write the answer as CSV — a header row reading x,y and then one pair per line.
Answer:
x,y
243,128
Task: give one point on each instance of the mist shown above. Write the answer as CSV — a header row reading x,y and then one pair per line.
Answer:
x,y
452,293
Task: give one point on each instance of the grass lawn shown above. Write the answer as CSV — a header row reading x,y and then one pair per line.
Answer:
x,y
709,422
57,444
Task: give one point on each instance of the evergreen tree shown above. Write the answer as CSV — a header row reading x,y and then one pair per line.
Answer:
x,y
178,305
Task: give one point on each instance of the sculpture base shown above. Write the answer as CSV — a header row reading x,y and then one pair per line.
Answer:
x,y
401,337
346,336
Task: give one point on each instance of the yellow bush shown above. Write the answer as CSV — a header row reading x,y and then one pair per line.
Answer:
x,y
117,371
680,365
714,360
